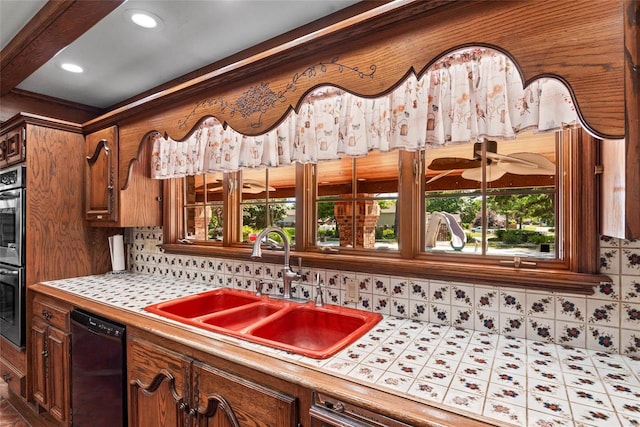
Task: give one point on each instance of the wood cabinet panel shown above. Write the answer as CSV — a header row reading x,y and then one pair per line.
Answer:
x,y
101,149
12,146
158,385
14,378
234,400
118,189
59,374
38,376
50,346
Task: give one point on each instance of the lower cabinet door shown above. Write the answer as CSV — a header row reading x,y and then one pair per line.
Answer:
x,y
158,383
226,400
156,404
59,374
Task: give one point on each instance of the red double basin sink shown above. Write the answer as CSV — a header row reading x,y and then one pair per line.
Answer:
x,y
314,331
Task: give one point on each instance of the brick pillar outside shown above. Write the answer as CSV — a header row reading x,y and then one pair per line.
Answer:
x,y
366,219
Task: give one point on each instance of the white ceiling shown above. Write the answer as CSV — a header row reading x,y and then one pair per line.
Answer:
x,y
122,60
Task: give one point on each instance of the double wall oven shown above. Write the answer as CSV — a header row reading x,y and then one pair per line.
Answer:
x,y
12,254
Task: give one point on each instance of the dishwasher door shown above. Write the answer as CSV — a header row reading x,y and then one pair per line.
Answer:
x,y
98,373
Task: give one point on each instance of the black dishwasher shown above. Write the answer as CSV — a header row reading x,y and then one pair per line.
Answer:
x,y
98,373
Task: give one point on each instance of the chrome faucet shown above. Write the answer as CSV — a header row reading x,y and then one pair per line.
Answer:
x,y
288,275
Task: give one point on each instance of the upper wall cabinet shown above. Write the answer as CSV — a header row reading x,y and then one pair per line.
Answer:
x,y
116,196
12,146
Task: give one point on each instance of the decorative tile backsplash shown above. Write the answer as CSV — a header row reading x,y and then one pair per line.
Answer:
x,y
609,320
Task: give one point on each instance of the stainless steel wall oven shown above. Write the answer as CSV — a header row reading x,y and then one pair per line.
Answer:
x,y
12,254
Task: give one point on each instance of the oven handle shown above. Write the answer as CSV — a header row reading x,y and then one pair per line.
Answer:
x,y
9,195
9,272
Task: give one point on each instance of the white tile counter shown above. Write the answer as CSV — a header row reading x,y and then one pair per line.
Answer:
x,y
511,381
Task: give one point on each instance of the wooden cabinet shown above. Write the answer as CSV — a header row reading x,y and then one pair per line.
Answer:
x,y
167,388
118,189
12,146
50,357
101,175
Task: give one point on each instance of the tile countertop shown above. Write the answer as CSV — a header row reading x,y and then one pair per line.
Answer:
x,y
511,381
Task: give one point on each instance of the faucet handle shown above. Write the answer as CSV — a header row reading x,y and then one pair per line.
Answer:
x,y
259,287
319,300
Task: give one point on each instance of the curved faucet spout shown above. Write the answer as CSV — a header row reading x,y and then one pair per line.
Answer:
x,y
288,275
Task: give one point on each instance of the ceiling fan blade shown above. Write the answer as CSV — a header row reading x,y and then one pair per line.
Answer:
x,y
493,173
527,164
251,186
448,163
440,175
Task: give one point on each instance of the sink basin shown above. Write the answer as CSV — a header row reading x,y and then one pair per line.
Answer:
x,y
237,320
205,303
317,332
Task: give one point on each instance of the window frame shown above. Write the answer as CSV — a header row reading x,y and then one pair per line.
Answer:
x,y
578,272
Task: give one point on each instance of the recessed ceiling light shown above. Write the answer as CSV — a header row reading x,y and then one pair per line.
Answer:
x,y
144,19
72,68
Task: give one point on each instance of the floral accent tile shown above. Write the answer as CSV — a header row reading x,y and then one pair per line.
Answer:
x,y
630,261
465,401
570,307
394,381
540,419
630,288
603,338
608,290
609,242
603,312
540,305
427,390
541,329
462,295
486,299
487,321
569,333
400,307
505,412
440,292
463,317
418,290
513,325
333,279
399,287
630,342
630,316
440,314
419,310
550,405
512,302
592,415
381,304
366,373
381,285
634,243
609,261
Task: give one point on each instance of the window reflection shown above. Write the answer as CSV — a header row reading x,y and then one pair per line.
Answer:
x,y
365,218
268,198
203,209
494,198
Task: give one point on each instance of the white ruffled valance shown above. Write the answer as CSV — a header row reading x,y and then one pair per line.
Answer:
x,y
464,97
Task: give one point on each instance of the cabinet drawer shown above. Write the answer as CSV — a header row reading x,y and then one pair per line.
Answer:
x,y
52,312
14,378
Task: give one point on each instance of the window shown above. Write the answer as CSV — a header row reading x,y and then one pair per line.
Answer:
x,y
267,198
361,219
203,208
496,198
519,220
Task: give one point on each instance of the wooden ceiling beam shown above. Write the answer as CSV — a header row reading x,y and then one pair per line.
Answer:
x,y
55,26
